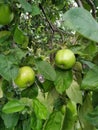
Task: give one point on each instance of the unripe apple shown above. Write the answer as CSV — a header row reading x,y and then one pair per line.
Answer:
x,y
25,77
65,59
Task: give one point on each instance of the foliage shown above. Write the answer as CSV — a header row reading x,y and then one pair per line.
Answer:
x,y
58,99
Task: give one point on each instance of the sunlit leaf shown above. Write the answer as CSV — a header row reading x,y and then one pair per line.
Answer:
x,y
54,121
13,106
35,10
80,20
63,80
74,93
39,109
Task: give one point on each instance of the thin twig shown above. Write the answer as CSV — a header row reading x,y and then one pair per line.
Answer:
x,y
54,28
52,31
90,2
41,7
79,3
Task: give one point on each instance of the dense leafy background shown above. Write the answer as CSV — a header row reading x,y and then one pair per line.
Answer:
x,y
59,99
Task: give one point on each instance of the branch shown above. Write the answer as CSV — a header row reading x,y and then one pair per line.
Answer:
x,y
46,17
53,27
90,2
79,3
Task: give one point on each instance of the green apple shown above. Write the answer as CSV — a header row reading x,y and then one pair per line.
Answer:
x,y
6,15
65,59
25,77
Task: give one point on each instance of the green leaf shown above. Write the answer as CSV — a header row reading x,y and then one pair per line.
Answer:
x,y
74,93
69,119
48,99
91,49
63,80
46,70
54,122
92,117
88,63
17,53
35,10
4,35
13,106
25,5
47,85
27,124
10,120
86,108
39,109
20,38
81,20
96,3
36,123
8,69
30,92
90,81
70,116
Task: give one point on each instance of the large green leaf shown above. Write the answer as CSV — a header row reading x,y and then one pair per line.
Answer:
x,y
18,54
20,37
8,69
74,93
81,20
85,108
9,63
13,106
36,123
46,70
54,121
26,6
69,119
30,92
4,35
63,80
40,109
35,10
10,120
92,117
90,50
48,99
90,81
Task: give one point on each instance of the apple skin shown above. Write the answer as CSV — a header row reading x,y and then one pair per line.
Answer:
x,y
65,59
25,77
6,15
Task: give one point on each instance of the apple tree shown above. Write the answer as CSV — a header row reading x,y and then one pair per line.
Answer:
x,y
48,65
